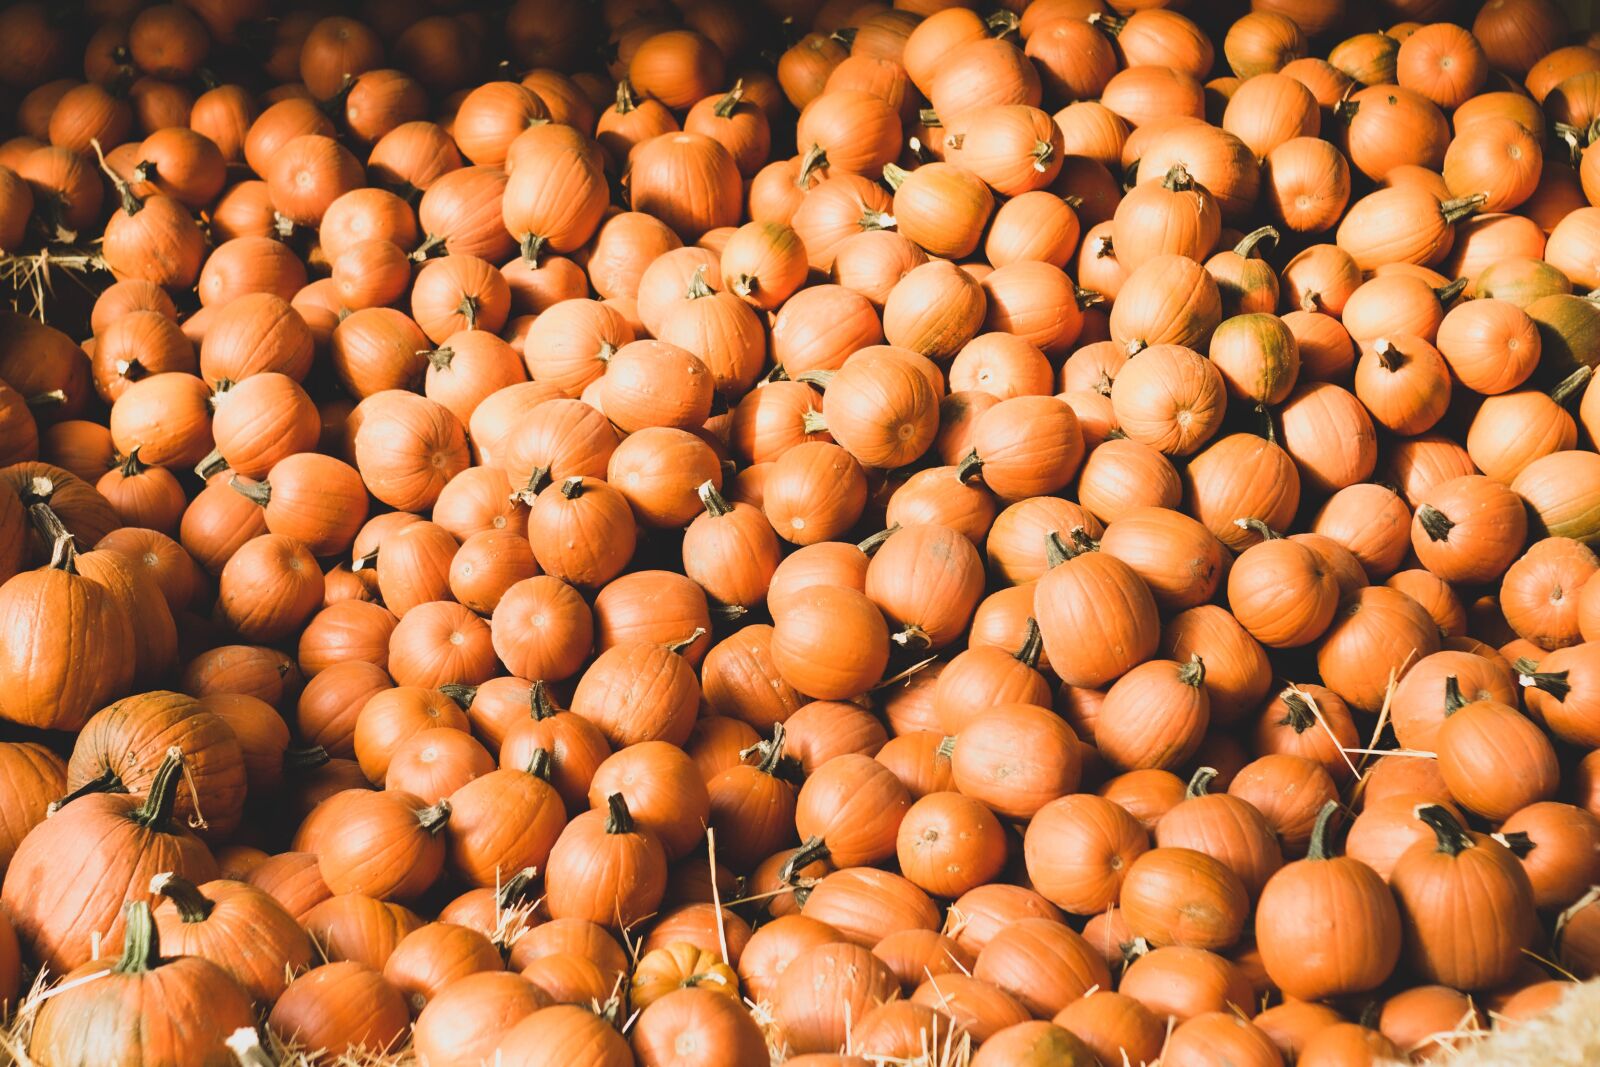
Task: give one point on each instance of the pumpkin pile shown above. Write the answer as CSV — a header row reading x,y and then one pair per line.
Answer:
x,y
813,532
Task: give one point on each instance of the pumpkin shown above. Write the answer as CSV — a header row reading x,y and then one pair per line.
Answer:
x,y
1078,848
82,1024
1207,912
604,869
1469,871
236,926
1560,875
340,1005
1225,827
1094,590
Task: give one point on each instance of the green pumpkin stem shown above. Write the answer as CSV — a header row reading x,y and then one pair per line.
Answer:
x,y
1456,210
433,819
1297,713
929,117
305,757
1447,294
1435,523
1043,152
1518,842
429,246
810,851
813,421
540,706
770,751
725,106
713,501
1247,243
130,467
619,820
698,289
193,906
1200,783
107,781
1177,179
625,102
1002,23
1571,385
875,542
1454,701
1193,673
572,488
1032,645
1319,848
1553,682
156,811
1452,839
895,176
814,159
461,695
131,204
141,947
540,764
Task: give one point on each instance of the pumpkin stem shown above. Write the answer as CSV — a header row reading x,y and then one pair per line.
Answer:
x,y
1297,714
430,244
1200,783
1448,293
304,757
1571,385
1072,200
572,488
141,948
680,647
433,819
895,176
515,889
541,764
743,285
970,467
1390,358
52,398
875,542
440,358
1043,152
1553,682
625,102
771,751
1032,645
1456,210
1103,248
1193,673
63,544
245,1044
1247,243
875,220
815,159
810,851
107,781
730,100
1309,299
698,288
813,421
156,811
1177,179
1257,526
1453,700
469,306
462,695
1319,848
1108,23
1102,384
1087,298
618,819
364,563
1518,842
947,747
1135,346
1435,523
1002,23
212,464
929,117
1056,551
536,481
727,612
193,905
911,636
1452,839
540,706
130,204
258,492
